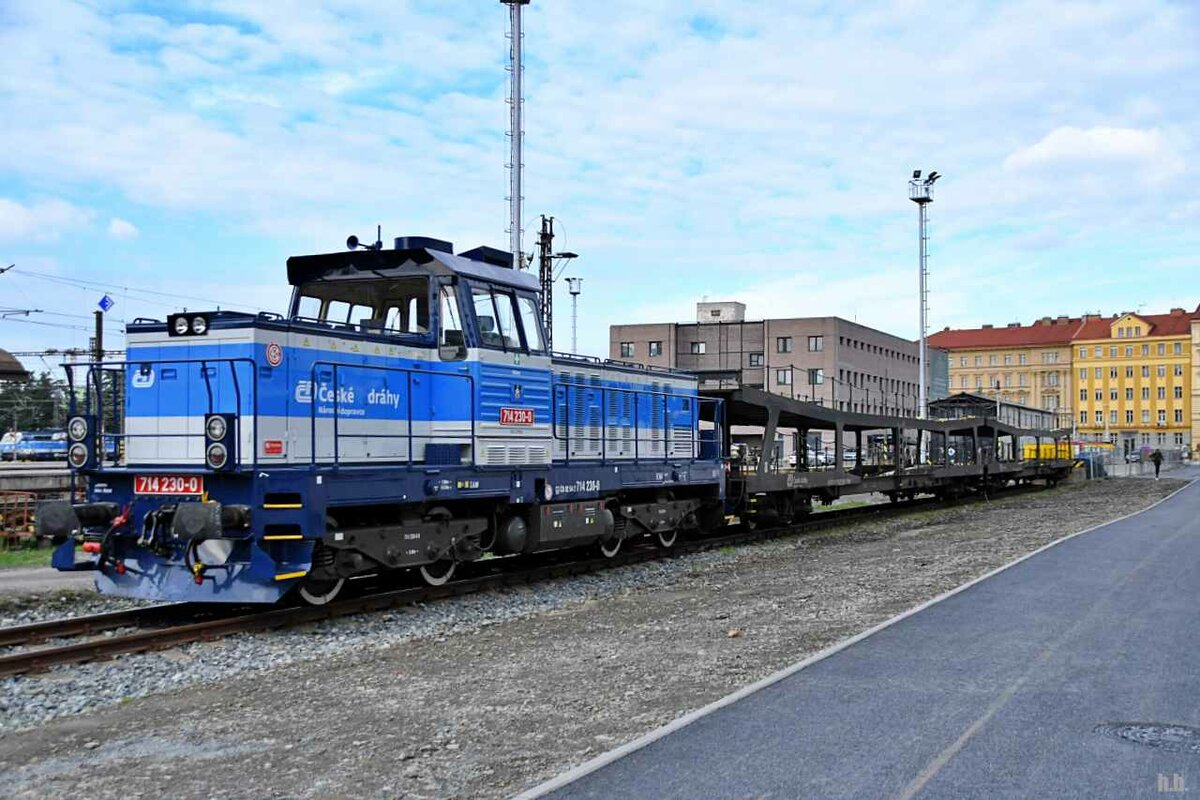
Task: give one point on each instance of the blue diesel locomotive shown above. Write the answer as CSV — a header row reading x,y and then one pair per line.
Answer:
x,y
405,415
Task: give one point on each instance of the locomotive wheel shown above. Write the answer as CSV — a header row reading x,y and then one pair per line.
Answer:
x,y
666,539
610,547
439,572
319,593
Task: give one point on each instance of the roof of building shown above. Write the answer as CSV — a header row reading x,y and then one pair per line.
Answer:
x,y
1177,323
1058,330
11,369
1045,331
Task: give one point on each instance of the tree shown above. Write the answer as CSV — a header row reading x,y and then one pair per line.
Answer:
x,y
36,404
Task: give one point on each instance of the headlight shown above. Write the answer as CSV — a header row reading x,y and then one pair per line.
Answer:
x,y
199,325
77,429
215,429
77,454
181,326
216,455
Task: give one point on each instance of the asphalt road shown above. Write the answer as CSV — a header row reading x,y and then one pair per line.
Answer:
x,y
998,691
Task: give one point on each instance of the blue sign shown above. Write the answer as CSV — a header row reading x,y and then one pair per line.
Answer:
x,y
106,303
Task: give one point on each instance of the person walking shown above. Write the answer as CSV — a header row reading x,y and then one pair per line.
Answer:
x,y
1157,458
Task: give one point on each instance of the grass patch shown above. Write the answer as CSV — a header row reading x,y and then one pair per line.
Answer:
x,y
26,557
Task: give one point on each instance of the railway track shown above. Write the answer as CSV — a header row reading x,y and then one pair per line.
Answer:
x,y
225,622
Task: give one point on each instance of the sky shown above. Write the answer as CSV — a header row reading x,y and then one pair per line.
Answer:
x,y
174,154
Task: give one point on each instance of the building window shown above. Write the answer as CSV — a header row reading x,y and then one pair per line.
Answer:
x,y
1083,373
1052,379
1145,349
697,348
1050,358
1099,373
656,348
783,377
1146,416
816,344
1178,392
1129,372
963,382
1162,371
1022,359
1129,417
1145,372
992,360
1008,359
1145,438
756,359
1112,352
1162,393
978,360
1083,352
1162,416
1129,352
1179,348
626,349
1083,395
1007,380
1178,415
1179,438
1099,417
1161,438
1145,392
1162,348
783,344
1112,417
1083,418
816,377
1099,395
1128,393
1112,373
1112,395
1179,370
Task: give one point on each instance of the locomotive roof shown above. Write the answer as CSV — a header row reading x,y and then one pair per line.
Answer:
x,y
358,264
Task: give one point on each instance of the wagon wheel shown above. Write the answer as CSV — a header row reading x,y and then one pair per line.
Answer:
x,y
439,572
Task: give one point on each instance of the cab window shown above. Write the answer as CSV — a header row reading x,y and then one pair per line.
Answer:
x,y
451,335
495,315
530,323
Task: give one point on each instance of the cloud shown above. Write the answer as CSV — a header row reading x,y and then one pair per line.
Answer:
x,y
40,221
122,230
695,144
1102,147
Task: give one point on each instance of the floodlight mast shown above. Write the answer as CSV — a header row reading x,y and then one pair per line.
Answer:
x,y
575,285
516,131
921,193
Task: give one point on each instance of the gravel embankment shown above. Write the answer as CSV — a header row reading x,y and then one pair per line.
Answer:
x,y
59,604
490,693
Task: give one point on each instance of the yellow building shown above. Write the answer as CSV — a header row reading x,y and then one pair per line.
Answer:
x,y
1133,378
1026,364
1196,382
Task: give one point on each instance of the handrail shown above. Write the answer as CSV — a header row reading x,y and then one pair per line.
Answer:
x,y
605,425
408,372
96,387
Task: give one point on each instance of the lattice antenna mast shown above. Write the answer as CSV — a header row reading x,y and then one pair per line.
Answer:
x,y
921,193
516,130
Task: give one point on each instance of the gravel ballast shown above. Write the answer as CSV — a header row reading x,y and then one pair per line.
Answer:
x,y
484,695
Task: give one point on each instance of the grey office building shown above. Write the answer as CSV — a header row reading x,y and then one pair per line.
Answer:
x,y
827,360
